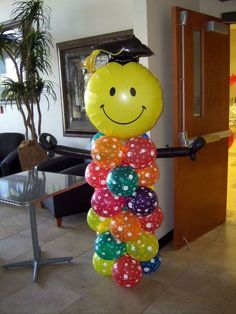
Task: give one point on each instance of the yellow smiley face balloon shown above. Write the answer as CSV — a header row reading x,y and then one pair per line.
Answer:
x,y
123,100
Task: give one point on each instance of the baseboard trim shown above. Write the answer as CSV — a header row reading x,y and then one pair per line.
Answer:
x,y
167,238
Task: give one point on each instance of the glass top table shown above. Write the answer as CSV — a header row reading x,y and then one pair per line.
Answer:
x,y
28,188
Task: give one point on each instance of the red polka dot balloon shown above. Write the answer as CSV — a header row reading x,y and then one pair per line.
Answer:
x,y
153,221
127,272
95,175
139,152
106,204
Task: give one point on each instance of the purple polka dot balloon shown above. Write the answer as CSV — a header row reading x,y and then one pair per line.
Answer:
x,y
143,201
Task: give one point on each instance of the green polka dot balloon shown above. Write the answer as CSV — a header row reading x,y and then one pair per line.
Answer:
x,y
107,247
122,181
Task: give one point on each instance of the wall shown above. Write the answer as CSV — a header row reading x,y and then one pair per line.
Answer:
x,y
69,21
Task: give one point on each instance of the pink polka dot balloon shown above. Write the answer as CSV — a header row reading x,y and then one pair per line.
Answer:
x,y
95,175
139,152
127,272
106,204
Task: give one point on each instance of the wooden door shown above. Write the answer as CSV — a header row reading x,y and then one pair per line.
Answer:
x,y
201,95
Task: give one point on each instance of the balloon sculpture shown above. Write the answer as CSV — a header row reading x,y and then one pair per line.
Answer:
x,y
123,101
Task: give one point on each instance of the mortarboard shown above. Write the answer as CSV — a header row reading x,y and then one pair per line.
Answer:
x,y
121,51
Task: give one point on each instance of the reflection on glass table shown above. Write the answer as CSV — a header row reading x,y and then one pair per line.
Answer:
x,y
28,188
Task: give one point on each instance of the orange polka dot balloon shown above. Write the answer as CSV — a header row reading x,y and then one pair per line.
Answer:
x,y
107,152
125,226
149,175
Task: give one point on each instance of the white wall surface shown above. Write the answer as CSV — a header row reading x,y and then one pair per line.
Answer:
x,y
70,20
151,21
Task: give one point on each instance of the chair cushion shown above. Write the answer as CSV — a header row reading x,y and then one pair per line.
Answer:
x,y
9,142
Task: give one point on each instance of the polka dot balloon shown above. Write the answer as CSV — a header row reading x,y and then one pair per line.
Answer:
x,y
153,221
122,181
149,175
107,152
142,202
95,175
139,152
107,247
152,265
143,248
125,226
106,204
102,266
127,272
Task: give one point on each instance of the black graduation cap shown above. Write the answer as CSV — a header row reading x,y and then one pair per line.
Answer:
x,y
124,50
121,50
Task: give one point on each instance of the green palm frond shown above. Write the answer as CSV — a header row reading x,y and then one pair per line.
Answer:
x,y
28,46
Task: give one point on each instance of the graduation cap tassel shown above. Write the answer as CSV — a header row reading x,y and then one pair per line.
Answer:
x,y
90,61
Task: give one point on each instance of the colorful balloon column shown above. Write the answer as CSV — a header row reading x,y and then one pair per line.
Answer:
x,y
123,102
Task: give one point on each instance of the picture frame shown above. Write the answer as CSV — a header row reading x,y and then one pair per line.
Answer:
x,y
74,77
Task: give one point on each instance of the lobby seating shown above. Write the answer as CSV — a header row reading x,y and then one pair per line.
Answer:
x,y
9,159
70,202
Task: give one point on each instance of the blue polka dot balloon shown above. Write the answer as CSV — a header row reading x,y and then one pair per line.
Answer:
x,y
152,265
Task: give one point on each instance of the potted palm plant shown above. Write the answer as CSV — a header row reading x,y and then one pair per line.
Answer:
x,y
27,42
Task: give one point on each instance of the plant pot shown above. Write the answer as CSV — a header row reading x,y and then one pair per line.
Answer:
x,y
31,154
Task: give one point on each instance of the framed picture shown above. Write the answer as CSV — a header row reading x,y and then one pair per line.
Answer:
x,y
74,77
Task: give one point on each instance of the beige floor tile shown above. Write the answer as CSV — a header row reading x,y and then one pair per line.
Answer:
x,y
13,280
87,306
196,247
44,298
201,280
48,231
171,267
15,245
8,211
72,243
104,293
227,234
123,300
174,301
13,225
220,254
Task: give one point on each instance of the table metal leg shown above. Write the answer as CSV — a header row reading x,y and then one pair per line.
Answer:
x,y
37,261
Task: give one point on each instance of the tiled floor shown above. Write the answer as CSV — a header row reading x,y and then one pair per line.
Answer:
x,y
201,280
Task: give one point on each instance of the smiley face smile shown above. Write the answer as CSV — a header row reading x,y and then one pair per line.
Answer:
x,y
123,123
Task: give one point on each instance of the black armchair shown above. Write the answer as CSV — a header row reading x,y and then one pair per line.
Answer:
x,y
71,202
9,160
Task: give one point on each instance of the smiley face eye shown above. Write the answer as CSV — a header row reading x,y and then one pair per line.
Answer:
x,y
132,91
112,91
